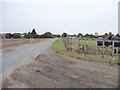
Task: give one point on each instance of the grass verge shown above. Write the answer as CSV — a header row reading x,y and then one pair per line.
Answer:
x,y
58,47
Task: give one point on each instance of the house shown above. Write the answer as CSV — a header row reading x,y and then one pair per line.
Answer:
x,y
2,36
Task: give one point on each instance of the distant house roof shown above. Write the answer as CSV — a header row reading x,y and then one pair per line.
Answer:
x,y
2,35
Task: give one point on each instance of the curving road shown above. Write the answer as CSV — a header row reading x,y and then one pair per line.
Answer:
x,y
11,59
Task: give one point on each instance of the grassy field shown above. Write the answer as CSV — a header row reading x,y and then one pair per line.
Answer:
x,y
9,43
83,42
58,47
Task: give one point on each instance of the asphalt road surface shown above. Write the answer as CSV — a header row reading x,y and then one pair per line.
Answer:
x,y
11,59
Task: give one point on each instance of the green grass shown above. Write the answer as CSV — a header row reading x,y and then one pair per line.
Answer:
x,y
75,43
83,42
117,63
58,47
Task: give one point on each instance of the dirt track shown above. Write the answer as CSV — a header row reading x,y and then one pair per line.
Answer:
x,y
15,53
50,70
14,58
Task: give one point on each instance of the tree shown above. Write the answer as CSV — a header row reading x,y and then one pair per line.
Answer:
x,y
16,35
118,35
105,35
47,35
64,34
110,35
87,35
57,35
9,35
90,36
34,34
28,35
80,35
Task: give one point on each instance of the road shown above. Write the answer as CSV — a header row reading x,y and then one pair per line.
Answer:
x,y
11,59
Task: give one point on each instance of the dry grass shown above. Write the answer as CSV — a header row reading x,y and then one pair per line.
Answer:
x,y
11,43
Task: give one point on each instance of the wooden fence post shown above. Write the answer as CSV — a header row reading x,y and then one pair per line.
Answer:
x,y
78,49
70,46
113,43
103,48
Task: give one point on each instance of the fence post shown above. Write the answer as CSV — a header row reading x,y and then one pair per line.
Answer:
x,y
103,48
85,47
78,49
67,40
113,43
70,46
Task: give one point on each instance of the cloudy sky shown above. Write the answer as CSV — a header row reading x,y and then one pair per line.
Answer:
x,y
58,16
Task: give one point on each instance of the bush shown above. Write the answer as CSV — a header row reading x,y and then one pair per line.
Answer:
x,y
64,34
15,35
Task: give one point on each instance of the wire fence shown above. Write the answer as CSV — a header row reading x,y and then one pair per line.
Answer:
x,y
90,46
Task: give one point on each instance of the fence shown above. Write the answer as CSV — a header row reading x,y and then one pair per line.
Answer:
x,y
89,46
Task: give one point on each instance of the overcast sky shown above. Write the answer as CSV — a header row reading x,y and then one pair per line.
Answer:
x,y
58,16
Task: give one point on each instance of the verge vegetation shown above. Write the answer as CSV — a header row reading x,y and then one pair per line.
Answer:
x,y
58,47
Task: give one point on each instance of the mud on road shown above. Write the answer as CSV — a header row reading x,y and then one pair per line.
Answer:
x,y
51,70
